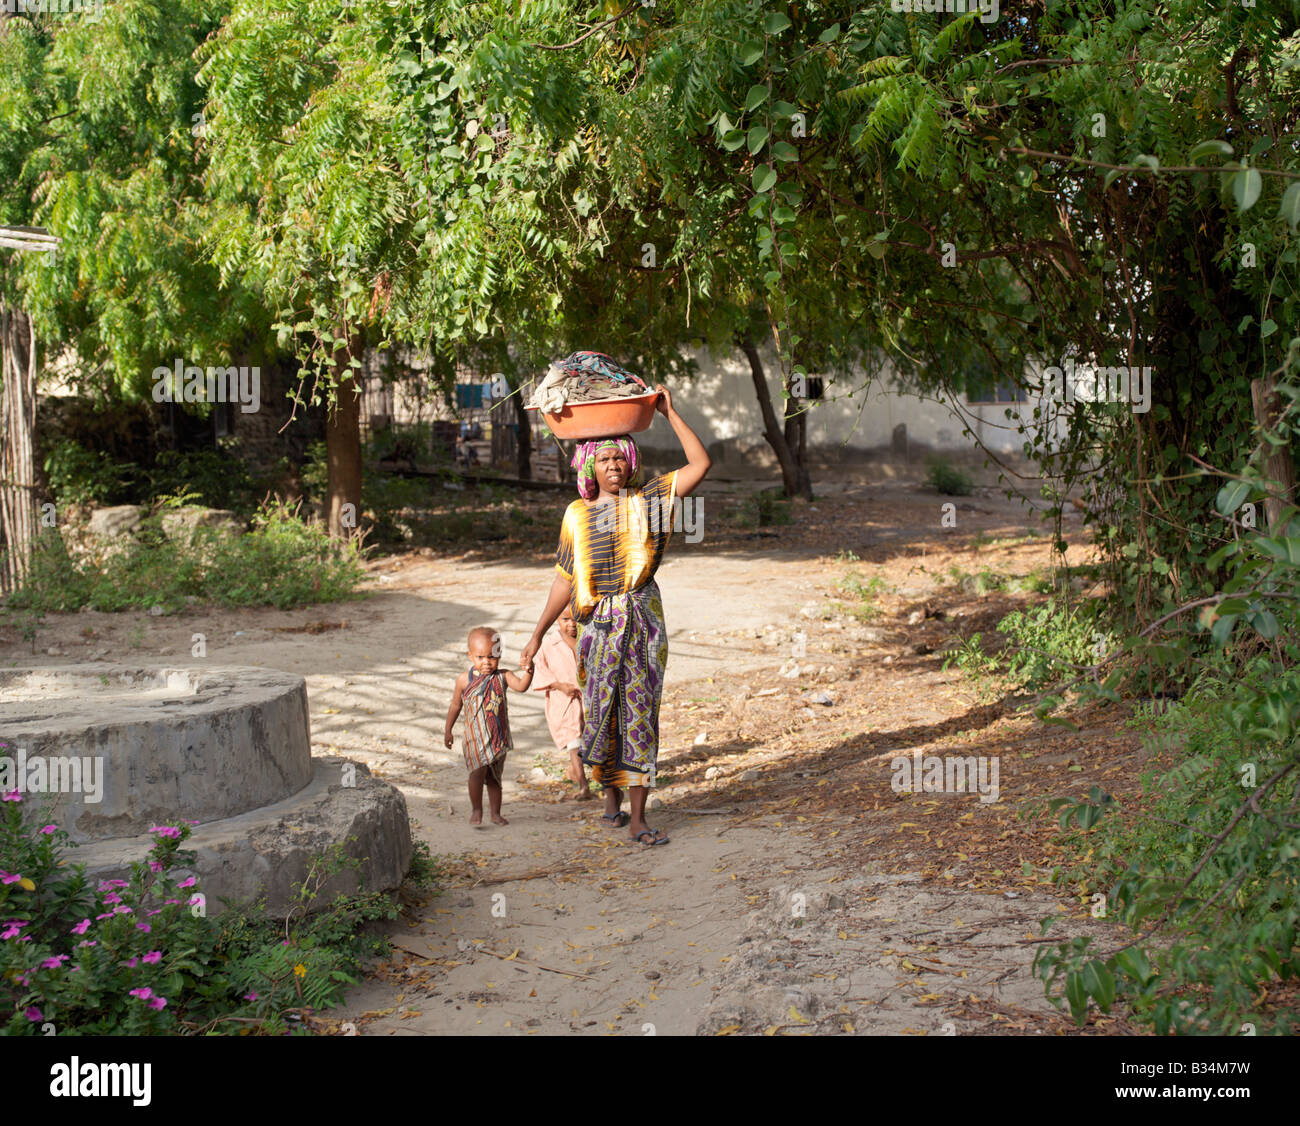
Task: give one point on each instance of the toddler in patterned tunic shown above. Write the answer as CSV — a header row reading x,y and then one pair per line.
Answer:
x,y
486,737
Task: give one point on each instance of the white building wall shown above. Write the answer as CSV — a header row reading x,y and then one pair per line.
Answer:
x,y
720,405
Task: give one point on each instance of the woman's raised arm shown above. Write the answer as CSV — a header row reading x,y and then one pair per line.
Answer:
x,y
698,462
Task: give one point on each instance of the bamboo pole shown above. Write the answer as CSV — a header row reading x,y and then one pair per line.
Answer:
x,y
18,486
18,477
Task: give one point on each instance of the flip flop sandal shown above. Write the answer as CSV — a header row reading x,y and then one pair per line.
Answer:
x,y
655,835
617,821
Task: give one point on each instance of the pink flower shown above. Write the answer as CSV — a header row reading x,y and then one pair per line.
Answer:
x,y
250,996
131,963
12,795
121,910
106,884
106,915
114,898
144,993
54,963
158,1003
49,829
166,830
143,927
156,911
88,942
21,979
188,883
152,958
195,899
154,866
33,1014
9,932
9,877
82,927
172,902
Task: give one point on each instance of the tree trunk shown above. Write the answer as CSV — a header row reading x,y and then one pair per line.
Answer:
x,y
343,446
563,471
1277,464
796,438
524,444
20,490
772,431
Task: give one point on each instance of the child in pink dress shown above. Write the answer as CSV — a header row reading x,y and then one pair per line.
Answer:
x,y
555,672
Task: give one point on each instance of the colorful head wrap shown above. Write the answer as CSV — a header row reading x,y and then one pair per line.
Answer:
x,y
584,461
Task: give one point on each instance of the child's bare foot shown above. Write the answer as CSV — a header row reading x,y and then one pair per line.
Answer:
x,y
497,819
476,818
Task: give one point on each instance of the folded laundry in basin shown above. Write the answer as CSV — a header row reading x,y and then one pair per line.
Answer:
x,y
585,377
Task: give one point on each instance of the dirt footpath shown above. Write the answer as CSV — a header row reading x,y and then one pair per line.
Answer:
x,y
798,893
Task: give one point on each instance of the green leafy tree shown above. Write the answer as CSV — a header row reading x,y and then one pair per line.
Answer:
x,y
101,119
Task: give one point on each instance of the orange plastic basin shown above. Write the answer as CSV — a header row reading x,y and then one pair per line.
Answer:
x,y
602,418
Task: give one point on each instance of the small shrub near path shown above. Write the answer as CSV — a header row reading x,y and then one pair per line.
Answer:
x,y
140,956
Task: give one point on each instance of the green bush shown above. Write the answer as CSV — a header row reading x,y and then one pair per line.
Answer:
x,y
139,956
54,583
947,479
283,562
1238,917
212,478
1044,645
79,476
764,508
1202,870
87,477
1033,583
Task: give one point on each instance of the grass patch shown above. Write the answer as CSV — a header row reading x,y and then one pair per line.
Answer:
x,y
863,609
763,509
283,562
983,539
863,612
947,479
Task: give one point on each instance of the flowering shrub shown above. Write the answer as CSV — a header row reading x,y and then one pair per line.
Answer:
x,y
139,956
109,960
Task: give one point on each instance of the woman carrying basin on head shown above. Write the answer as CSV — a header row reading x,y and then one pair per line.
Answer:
x,y
611,543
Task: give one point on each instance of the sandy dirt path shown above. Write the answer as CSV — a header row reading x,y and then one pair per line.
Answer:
x,y
757,918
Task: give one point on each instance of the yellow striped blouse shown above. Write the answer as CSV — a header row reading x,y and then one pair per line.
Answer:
x,y
615,547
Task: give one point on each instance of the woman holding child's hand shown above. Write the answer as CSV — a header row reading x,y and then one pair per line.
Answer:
x,y
611,543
